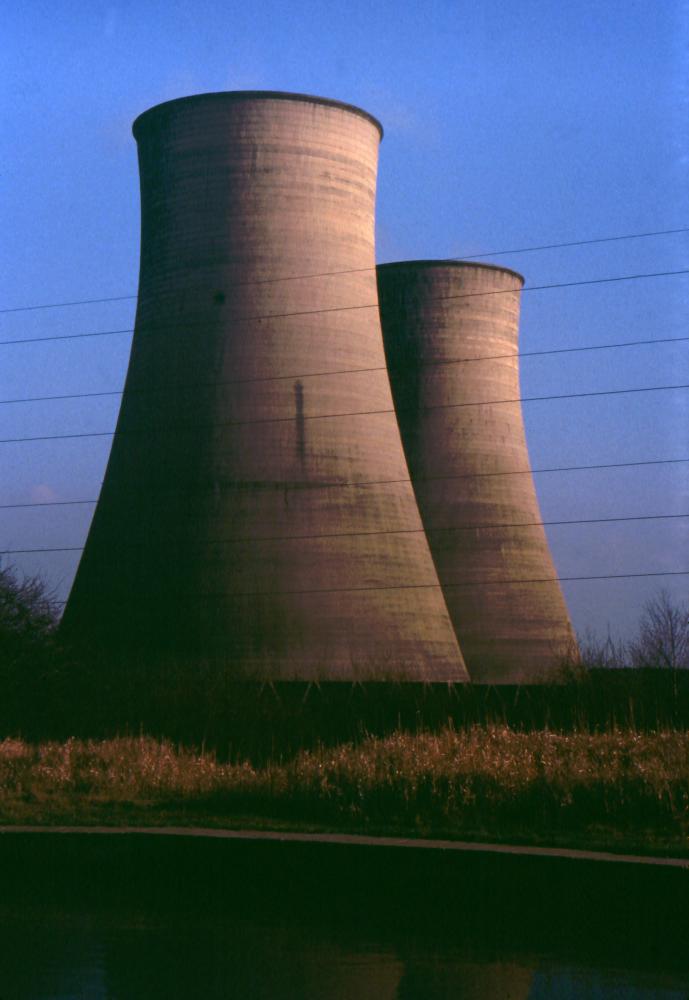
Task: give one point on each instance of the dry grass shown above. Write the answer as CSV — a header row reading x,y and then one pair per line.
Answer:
x,y
623,788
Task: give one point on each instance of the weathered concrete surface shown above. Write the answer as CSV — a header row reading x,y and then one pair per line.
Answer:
x,y
249,498
462,460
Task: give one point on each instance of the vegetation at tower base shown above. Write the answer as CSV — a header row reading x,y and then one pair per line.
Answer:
x,y
621,790
60,698
600,760
49,691
451,340
256,512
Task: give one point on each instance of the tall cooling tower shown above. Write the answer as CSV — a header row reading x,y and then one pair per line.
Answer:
x,y
451,332
257,505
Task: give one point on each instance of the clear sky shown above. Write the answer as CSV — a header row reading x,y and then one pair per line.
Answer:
x,y
507,125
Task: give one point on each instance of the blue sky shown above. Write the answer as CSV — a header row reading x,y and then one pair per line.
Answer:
x,y
506,125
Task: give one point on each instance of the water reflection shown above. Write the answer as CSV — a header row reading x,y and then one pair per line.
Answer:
x,y
244,960
587,984
447,979
51,953
147,929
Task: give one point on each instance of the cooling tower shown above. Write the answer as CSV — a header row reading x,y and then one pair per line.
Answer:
x,y
451,332
257,505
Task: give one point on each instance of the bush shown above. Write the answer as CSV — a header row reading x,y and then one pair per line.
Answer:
x,y
28,616
661,641
663,637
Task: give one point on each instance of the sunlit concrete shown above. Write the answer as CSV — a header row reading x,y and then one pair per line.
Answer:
x,y
451,337
257,505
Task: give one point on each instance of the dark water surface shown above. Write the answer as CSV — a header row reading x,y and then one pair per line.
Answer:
x,y
142,918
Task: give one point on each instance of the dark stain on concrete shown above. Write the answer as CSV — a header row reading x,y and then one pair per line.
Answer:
x,y
300,423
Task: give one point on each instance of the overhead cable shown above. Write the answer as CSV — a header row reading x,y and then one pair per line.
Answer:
x,y
327,274
428,586
177,428
386,531
341,371
354,484
340,309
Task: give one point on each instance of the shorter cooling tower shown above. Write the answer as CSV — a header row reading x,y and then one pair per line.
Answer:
x,y
451,332
257,507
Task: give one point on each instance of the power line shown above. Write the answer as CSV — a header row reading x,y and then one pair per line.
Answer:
x,y
71,336
429,586
355,270
419,479
45,503
63,305
339,309
577,243
342,371
332,416
387,531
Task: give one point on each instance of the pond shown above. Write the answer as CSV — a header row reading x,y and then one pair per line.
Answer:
x,y
142,918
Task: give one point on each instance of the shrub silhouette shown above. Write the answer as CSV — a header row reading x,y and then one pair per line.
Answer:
x,y
663,636
28,615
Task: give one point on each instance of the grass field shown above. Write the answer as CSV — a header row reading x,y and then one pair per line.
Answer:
x,y
623,790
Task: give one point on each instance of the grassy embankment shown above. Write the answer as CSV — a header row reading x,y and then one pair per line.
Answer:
x,y
623,790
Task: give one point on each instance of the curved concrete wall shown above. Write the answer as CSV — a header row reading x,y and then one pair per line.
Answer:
x,y
434,313
251,497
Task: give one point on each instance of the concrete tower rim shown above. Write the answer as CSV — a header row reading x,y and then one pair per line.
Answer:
x,y
440,264
231,96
